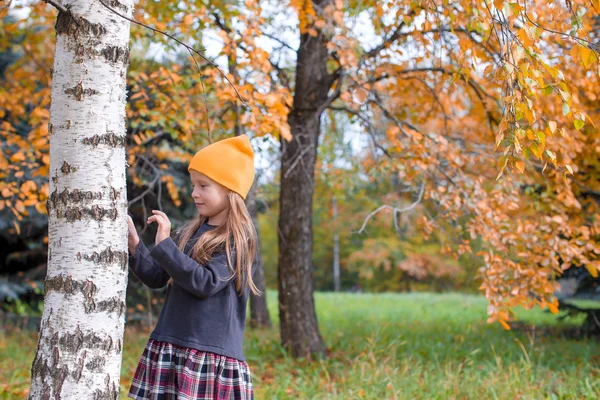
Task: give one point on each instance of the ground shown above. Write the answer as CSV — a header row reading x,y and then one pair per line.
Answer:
x,y
391,346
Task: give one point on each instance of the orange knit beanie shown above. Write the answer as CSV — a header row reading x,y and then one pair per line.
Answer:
x,y
229,162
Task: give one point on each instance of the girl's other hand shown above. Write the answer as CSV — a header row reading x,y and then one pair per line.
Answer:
x,y
164,225
132,238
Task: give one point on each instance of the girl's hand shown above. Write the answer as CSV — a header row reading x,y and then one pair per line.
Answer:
x,y
132,238
164,225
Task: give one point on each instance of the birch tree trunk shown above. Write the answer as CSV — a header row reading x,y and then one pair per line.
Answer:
x,y
80,340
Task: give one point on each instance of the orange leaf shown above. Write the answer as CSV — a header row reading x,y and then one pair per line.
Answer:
x,y
504,324
592,270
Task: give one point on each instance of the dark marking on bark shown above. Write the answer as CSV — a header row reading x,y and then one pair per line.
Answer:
x,y
109,138
71,214
68,24
114,304
68,285
45,370
50,129
66,168
68,124
119,348
75,196
79,52
78,91
59,379
95,212
114,54
89,290
114,194
36,368
47,392
109,393
108,257
96,364
73,342
54,340
55,356
79,368
116,4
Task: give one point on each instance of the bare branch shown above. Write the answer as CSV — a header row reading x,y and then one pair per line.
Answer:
x,y
396,210
157,175
281,42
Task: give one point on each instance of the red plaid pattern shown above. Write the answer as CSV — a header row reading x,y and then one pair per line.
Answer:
x,y
167,371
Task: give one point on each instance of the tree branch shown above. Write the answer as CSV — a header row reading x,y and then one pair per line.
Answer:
x,y
396,210
190,48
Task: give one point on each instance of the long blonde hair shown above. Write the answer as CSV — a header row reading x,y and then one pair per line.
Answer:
x,y
238,232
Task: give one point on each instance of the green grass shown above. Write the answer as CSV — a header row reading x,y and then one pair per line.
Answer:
x,y
391,346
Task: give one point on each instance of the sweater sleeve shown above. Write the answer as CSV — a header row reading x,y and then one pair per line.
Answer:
x,y
146,268
200,280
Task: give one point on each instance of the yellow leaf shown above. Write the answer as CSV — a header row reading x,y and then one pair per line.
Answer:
x,y
504,324
499,4
520,166
592,270
536,150
587,56
552,126
568,167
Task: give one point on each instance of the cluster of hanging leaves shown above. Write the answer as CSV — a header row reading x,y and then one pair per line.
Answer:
x,y
488,106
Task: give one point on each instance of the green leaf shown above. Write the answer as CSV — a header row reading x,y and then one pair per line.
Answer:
x,y
547,90
578,124
541,137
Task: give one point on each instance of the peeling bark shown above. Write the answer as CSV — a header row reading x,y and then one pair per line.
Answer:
x,y
80,340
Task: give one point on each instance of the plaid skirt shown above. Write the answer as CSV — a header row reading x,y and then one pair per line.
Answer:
x,y
167,371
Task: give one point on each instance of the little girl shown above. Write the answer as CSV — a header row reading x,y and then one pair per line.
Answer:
x,y
195,350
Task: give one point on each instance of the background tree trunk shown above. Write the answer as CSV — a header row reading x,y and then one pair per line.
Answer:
x,y
336,249
298,321
259,313
81,333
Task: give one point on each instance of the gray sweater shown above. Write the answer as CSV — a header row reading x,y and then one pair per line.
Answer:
x,y
202,309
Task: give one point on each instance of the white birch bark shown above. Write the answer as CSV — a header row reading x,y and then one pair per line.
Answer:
x,y
81,333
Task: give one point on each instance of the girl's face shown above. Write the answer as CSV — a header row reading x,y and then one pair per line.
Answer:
x,y
211,198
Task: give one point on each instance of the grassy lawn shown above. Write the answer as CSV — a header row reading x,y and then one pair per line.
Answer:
x,y
390,346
